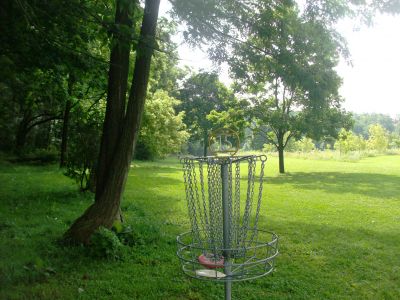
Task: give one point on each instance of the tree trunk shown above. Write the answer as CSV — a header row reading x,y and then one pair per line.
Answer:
x,y
281,160
281,148
64,132
205,146
116,97
103,211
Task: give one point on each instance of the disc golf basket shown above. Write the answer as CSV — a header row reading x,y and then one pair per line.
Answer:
x,y
224,194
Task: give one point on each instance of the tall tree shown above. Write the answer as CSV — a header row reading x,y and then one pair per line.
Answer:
x,y
117,89
200,95
285,60
62,38
294,86
108,194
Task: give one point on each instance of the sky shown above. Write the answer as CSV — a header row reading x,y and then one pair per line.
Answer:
x,y
371,84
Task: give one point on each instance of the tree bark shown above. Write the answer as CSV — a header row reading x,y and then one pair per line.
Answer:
x,y
103,211
281,161
281,148
116,97
64,132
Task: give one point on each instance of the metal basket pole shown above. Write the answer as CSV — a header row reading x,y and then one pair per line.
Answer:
x,y
226,214
223,233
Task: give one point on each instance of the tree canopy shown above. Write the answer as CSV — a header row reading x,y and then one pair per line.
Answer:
x,y
90,80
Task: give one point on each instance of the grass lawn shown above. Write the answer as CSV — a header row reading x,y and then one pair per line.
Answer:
x,y
338,223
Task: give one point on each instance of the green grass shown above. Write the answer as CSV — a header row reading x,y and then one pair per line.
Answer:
x,y
338,224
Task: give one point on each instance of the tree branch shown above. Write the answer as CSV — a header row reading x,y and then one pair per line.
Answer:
x,y
58,117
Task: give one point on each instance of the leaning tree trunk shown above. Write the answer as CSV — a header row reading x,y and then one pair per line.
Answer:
x,y
103,211
116,96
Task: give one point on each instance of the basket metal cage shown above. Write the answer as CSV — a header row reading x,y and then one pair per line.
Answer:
x,y
224,200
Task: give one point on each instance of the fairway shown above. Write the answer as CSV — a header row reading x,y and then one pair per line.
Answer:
x,y
338,224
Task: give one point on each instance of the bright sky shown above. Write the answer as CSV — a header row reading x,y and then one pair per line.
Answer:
x,y
370,85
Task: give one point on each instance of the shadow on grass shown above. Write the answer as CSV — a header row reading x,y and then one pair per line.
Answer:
x,y
368,184
320,258
336,237
45,197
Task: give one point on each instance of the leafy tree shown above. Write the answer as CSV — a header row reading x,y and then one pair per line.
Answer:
x,y
162,131
254,26
208,104
85,131
362,122
47,47
304,145
378,138
165,73
394,141
348,141
294,86
122,122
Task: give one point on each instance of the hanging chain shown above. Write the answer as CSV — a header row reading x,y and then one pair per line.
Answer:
x,y
260,191
203,189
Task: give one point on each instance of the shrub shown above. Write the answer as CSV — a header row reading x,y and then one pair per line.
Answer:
x,y
83,149
106,244
40,156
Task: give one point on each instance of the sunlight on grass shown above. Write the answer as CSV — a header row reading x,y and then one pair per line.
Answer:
x,y
338,224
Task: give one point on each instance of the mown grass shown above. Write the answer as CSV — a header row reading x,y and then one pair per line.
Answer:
x,y
338,223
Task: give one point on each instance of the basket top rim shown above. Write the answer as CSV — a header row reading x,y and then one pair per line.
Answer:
x,y
223,159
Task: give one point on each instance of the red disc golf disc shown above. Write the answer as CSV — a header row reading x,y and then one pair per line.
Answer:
x,y
210,262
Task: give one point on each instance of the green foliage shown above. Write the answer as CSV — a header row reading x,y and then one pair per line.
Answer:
x,y
394,141
208,105
378,138
292,85
200,94
269,148
362,122
41,156
348,141
137,233
165,74
43,44
37,271
233,118
162,131
84,145
304,145
105,243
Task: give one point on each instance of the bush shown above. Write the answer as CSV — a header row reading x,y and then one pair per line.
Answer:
x,y
83,149
143,233
49,155
106,244
41,156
